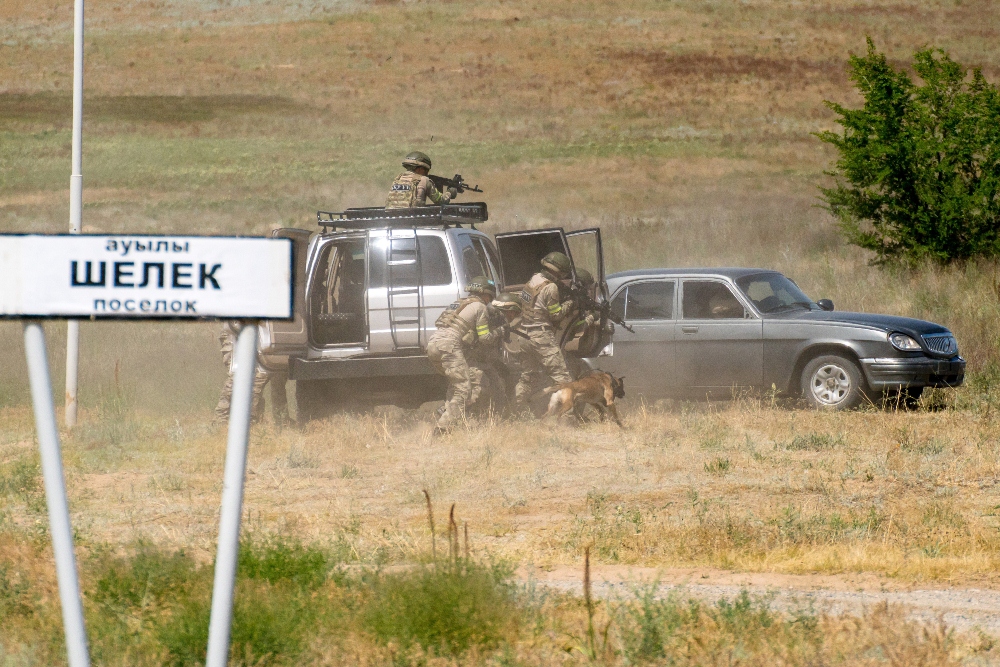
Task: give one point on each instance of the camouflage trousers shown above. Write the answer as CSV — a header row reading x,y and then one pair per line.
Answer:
x,y
447,354
540,358
279,401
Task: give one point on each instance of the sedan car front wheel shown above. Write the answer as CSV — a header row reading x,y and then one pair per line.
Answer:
x,y
831,382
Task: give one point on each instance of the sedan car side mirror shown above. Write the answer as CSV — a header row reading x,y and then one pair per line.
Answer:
x,y
825,304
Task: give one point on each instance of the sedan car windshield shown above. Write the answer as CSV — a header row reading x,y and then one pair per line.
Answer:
x,y
772,292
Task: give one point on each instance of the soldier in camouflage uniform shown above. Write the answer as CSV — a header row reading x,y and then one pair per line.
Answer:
x,y
279,408
413,188
580,328
463,326
542,313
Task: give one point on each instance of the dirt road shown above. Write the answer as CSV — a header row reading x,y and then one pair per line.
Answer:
x,y
961,608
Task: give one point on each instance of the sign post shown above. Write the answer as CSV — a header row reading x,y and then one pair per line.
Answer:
x,y
55,494
75,206
145,277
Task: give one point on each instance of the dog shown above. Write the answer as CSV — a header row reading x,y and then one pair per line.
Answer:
x,y
596,388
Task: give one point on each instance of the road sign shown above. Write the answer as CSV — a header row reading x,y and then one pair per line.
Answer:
x,y
145,276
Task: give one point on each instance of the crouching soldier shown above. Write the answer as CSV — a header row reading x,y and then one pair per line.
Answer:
x,y
542,314
461,328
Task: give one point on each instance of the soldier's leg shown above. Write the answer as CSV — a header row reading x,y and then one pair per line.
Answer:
x,y
475,382
222,407
260,378
457,371
279,399
531,366
553,361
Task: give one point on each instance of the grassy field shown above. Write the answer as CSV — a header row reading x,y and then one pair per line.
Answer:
x,y
683,128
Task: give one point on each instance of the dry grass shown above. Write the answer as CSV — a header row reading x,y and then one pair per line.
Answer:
x,y
741,486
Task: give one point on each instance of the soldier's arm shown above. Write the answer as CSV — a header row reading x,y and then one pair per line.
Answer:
x,y
430,191
549,299
485,333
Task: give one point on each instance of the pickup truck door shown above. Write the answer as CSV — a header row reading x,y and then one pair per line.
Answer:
x,y
521,253
285,337
588,253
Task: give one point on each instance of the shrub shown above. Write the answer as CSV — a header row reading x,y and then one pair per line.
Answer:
x,y
444,608
919,169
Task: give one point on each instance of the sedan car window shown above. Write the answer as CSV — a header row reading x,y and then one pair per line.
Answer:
x,y
709,300
771,292
650,301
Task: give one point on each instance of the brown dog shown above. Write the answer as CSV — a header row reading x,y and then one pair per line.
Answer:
x,y
596,388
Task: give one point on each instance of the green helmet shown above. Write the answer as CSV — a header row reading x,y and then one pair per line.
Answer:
x,y
557,263
482,285
507,301
584,277
417,159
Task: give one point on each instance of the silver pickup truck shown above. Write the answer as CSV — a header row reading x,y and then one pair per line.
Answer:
x,y
369,285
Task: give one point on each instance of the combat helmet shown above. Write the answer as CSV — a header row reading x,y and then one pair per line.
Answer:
x,y
417,159
482,285
507,301
584,277
557,263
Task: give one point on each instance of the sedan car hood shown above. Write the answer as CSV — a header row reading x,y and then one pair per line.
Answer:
x,y
887,323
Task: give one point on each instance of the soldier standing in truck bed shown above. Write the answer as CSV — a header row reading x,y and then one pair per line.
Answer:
x,y
542,313
413,188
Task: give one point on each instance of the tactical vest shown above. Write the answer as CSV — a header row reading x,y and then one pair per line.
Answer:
x,y
450,319
403,193
529,297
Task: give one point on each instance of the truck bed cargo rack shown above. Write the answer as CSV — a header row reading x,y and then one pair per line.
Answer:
x,y
378,217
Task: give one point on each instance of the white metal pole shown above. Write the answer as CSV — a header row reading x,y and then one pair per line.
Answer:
x,y
75,204
245,357
55,494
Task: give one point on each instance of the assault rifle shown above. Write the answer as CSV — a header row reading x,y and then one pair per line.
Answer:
x,y
585,303
442,183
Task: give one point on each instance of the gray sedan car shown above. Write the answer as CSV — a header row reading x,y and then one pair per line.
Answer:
x,y
708,332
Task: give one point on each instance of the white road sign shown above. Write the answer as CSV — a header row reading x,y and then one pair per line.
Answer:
x,y
145,276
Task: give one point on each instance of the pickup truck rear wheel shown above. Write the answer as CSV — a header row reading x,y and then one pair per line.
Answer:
x,y
832,382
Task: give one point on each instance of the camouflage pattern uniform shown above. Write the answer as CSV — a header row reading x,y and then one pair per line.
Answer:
x,y
412,189
227,341
540,353
464,325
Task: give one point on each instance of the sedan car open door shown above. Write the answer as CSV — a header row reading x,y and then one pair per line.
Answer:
x,y
521,253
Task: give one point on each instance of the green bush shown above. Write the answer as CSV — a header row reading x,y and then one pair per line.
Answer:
x,y
918,176
653,629
155,605
444,608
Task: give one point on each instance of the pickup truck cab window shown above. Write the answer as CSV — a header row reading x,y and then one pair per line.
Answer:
x,y
474,259
435,269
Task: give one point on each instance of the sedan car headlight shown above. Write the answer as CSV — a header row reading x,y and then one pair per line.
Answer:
x,y
904,343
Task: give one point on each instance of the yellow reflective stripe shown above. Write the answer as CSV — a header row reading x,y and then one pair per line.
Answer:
x,y
555,308
483,329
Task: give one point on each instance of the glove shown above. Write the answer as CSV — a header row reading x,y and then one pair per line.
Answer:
x,y
452,193
589,319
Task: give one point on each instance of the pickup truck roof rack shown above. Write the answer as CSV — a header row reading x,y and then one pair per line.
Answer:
x,y
378,217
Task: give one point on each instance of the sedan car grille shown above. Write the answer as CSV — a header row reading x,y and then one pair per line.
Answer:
x,y
944,344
